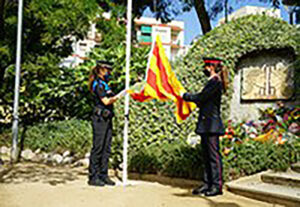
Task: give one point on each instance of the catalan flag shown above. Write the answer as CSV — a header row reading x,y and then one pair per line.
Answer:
x,y
162,84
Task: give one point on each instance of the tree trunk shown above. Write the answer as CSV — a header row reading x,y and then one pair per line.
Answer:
x,y
2,69
2,72
203,16
298,16
2,2
226,11
291,17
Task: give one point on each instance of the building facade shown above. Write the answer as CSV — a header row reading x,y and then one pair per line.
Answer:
x,y
82,47
172,35
248,10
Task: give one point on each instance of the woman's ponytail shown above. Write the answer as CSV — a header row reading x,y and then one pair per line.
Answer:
x,y
224,77
92,77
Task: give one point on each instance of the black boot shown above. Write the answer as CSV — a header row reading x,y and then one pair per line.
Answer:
x,y
214,191
200,190
108,181
96,182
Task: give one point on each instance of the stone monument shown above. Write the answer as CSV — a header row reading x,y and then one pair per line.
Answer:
x,y
262,78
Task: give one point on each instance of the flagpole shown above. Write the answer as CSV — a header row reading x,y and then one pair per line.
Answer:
x,y
14,149
126,122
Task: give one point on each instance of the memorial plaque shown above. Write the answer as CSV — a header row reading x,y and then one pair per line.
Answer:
x,y
266,77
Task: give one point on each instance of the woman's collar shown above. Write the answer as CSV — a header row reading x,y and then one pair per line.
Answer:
x,y
215,75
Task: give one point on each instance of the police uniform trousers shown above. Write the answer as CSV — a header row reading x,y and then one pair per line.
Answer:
x,y
102,136
212,160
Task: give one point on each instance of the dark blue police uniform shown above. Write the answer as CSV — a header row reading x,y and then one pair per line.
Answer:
x,y
210,127
102,131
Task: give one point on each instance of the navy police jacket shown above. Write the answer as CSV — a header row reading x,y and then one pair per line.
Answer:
x,y
209,101
101,89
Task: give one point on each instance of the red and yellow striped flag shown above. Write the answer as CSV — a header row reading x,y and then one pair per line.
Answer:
x,y
162,84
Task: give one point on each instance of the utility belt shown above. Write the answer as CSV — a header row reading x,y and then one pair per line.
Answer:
x,y
103,112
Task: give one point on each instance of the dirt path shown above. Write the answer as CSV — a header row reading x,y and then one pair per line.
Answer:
x,y
35,185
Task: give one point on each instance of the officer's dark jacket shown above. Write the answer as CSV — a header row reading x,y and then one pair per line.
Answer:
x,y
209,101
101,90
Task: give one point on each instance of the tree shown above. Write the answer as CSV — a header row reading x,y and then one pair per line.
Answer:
x,y
50,92
167,10
49,28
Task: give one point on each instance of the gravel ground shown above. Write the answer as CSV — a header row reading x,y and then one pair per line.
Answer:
x,y
32,185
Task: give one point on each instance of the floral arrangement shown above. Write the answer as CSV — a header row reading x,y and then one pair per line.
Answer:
x,y
279,125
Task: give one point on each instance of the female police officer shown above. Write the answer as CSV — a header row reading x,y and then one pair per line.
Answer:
x,y
210,125
102,124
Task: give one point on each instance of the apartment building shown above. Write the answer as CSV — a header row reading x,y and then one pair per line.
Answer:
x,y
82,47
247,10
172,35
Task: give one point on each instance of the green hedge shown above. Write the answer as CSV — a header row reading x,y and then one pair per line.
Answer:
x,y
232,41
155,121
252,157
173,157
58,136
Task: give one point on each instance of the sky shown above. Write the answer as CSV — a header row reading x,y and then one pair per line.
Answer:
x,y
192,25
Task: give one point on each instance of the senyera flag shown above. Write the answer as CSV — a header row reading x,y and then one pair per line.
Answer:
x,y
162,84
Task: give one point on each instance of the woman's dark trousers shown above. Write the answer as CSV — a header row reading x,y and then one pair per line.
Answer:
x,y
102,135
212,161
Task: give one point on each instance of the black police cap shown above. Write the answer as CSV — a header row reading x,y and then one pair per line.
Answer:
x,y
212,60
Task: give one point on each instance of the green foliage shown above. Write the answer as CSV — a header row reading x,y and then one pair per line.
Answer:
x,y
57,136
251,157
155,121
49,29
74,135
245,154
165,10
117,55
49,92
113,48
168,157
175,158
233,40
157,143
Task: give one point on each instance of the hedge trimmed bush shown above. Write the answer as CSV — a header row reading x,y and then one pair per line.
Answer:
x,y
176,158
57,136
252,157
232,41
155,122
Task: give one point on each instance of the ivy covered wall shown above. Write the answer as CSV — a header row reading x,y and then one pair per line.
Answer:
x,y
235,40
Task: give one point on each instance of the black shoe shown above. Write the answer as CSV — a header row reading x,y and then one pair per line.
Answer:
x,y
200,190
96,182
108,181
213,192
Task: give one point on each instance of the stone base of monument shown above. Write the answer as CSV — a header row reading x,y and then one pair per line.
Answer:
x,y
273,187
296,167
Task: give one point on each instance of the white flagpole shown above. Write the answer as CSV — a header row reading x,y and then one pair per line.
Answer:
x,y
14,149
128,51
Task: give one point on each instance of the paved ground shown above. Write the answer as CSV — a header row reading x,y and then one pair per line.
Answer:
x,y
35,185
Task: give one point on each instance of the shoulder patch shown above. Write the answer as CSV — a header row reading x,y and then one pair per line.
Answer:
x,y
97,85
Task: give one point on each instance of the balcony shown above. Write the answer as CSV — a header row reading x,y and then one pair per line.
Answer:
x,y
146,29
146,39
